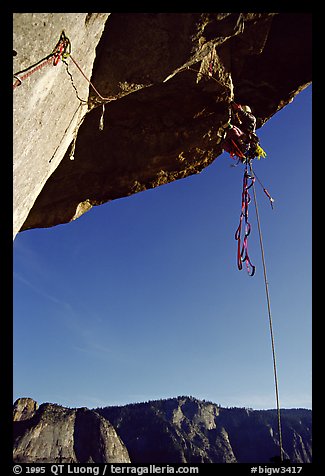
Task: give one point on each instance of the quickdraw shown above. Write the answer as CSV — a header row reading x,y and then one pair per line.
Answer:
x,y
61,51
242,249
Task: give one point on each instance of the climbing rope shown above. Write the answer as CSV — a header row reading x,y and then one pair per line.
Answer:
x,y
106,99
253,175
40,65
265,190
62,51
242,256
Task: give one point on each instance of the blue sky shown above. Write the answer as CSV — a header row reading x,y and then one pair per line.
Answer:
x,y
141,298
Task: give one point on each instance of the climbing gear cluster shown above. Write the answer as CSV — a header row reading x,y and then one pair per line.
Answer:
x,y
62,51
238,135
242,249
242,246
239,139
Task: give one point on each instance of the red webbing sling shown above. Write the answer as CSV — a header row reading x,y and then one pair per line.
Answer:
x,y
242,249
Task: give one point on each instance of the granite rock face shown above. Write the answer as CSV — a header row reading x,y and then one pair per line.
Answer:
x,y
54,434
24,408
188,430
175,430
172,77
46,109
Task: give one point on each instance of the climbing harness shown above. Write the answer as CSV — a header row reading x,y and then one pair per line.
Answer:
x,y
234,143
239,139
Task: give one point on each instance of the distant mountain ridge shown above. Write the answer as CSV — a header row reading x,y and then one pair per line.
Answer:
x,y
175,430
188,430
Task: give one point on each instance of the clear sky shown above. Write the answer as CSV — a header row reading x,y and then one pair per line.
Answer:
x,y
141,298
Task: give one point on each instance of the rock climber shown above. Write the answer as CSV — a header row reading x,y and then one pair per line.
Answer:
x,y
239,137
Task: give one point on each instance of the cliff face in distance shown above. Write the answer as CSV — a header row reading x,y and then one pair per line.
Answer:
x,y
175,430
187,430
172,77
54,434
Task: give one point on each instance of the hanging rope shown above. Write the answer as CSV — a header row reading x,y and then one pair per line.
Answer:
x,y
269,312
106,99
265,191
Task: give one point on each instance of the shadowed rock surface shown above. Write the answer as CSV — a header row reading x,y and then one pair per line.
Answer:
x,y
163,124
